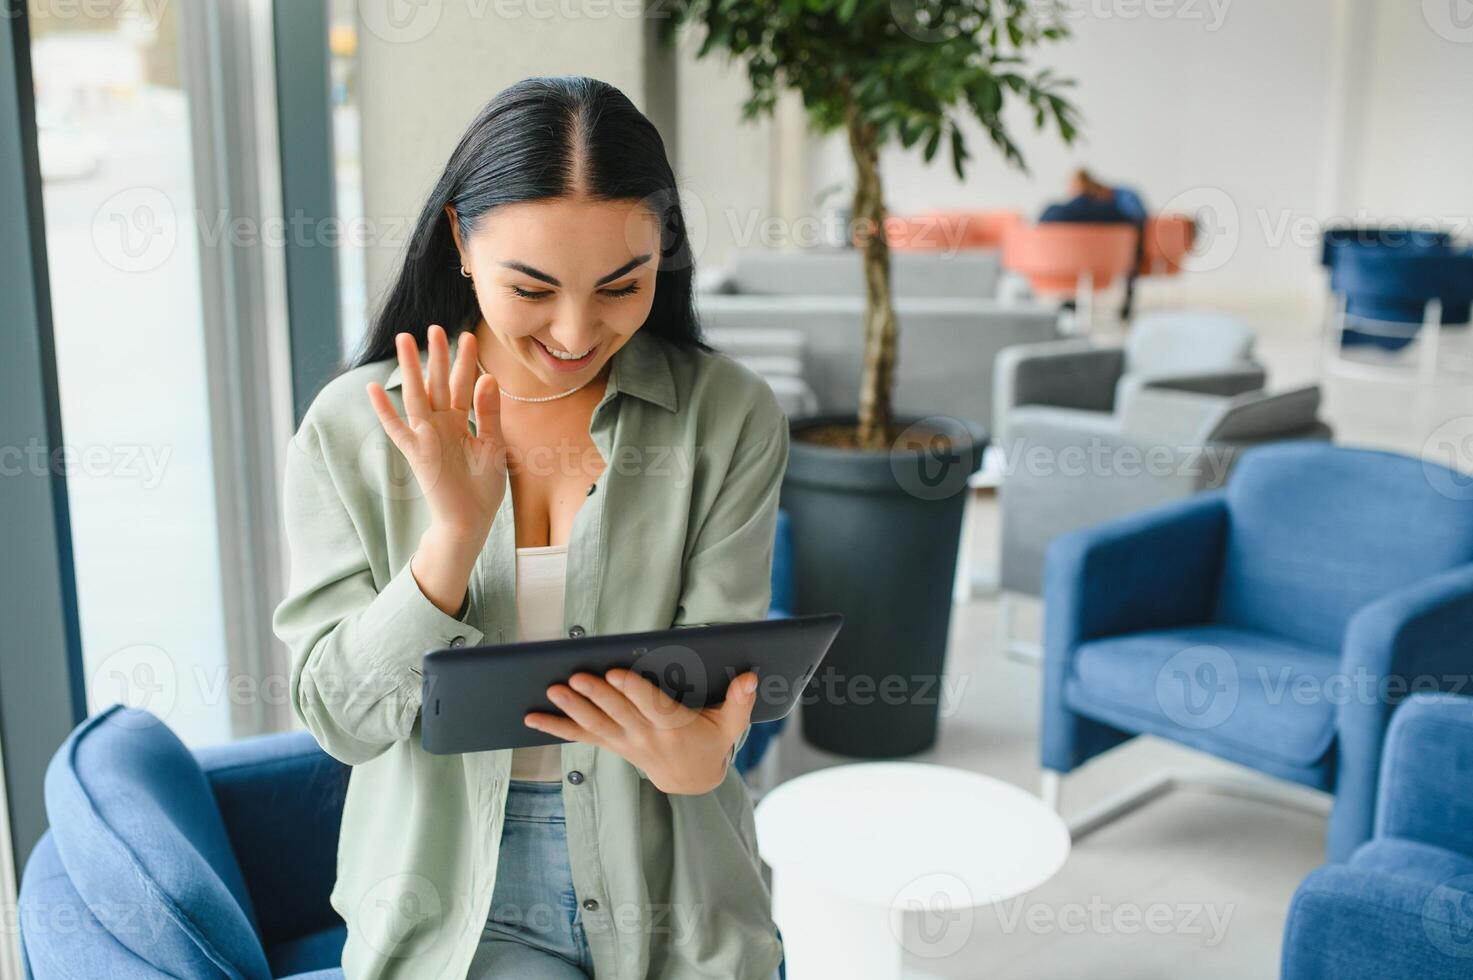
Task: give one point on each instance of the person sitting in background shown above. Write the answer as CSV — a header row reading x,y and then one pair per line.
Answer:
x,y
1093,202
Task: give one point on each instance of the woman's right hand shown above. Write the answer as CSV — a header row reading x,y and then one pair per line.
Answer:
x,y
462,475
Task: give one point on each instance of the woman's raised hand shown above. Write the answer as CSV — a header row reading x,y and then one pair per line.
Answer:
x,y
462,476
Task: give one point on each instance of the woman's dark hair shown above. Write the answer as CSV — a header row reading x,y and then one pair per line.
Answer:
x,y
529,143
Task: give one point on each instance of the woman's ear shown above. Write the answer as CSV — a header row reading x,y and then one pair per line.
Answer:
x,y
455,229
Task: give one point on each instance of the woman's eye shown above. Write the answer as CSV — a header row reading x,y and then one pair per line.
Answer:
x,y
622,291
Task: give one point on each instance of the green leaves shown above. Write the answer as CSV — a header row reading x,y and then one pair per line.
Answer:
x,y
913,69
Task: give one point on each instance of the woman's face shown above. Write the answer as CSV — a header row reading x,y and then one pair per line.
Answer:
x,y
562,285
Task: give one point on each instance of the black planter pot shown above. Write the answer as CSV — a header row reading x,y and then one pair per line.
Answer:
x,y
875,538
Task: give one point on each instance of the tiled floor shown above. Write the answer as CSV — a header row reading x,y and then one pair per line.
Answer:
x,y
1223,869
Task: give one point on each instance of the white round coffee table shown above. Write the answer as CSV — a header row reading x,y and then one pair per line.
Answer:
x,y
855,849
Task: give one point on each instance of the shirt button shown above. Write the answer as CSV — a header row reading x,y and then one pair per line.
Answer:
x,y
590,904
575,631
575,777
457,642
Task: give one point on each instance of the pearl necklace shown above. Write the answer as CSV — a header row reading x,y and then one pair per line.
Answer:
x,y
524,398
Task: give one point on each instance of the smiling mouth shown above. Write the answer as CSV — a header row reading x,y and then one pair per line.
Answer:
x,y
565,355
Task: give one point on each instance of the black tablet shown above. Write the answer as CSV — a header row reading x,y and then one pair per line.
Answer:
x,y
476,697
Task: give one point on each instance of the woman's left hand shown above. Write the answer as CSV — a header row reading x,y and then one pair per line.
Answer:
x,y
680,749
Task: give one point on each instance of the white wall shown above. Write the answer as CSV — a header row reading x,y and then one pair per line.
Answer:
x,y
423,80
421,85
1248,109
1417,151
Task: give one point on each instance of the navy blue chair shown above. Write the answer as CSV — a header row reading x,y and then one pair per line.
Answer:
x,y
1274,623
1379,236
161,862
761,735
1386,288
1403,905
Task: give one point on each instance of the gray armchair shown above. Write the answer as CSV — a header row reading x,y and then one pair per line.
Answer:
x,y
1196,351
1067,468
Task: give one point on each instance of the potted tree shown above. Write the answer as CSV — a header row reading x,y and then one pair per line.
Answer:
x,y
876,499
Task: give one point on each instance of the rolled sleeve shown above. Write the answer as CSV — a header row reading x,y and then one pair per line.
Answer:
x,y
355,648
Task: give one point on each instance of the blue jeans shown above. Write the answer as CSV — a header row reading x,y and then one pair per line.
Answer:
x,y
534,931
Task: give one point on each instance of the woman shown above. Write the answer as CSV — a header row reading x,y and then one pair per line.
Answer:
x,y
581,464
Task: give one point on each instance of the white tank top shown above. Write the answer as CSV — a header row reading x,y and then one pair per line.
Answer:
x,y
541,574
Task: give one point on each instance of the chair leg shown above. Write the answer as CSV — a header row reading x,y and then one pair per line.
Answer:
x,y
1051,789
1013,648
1085,302
1257,789
1431,336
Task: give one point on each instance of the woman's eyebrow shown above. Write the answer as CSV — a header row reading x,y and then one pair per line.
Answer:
x,y
552,281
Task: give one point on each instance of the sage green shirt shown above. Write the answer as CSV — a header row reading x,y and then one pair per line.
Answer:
x,y
678,531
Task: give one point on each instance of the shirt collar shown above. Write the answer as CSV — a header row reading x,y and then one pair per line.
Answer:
x,y
640,368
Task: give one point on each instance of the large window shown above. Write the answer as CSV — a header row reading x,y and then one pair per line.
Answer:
x,y
348,170
123,237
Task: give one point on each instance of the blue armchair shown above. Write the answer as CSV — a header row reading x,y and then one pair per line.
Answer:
x,y
161,862
1403,905
1386,286
165,863
1275,623
761,734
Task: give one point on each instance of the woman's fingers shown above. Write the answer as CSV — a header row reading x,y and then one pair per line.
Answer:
x,y
583,711
416,402
439,386
660,708
487,400
608,700
563,728
399,433
463,373
735,712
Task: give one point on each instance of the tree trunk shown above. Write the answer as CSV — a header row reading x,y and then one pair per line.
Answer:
x,y
878,379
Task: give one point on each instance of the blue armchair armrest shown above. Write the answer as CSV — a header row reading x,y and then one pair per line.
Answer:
x,y
60,937
1151,570
1427,775
1413,640
1348,923
1403,906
